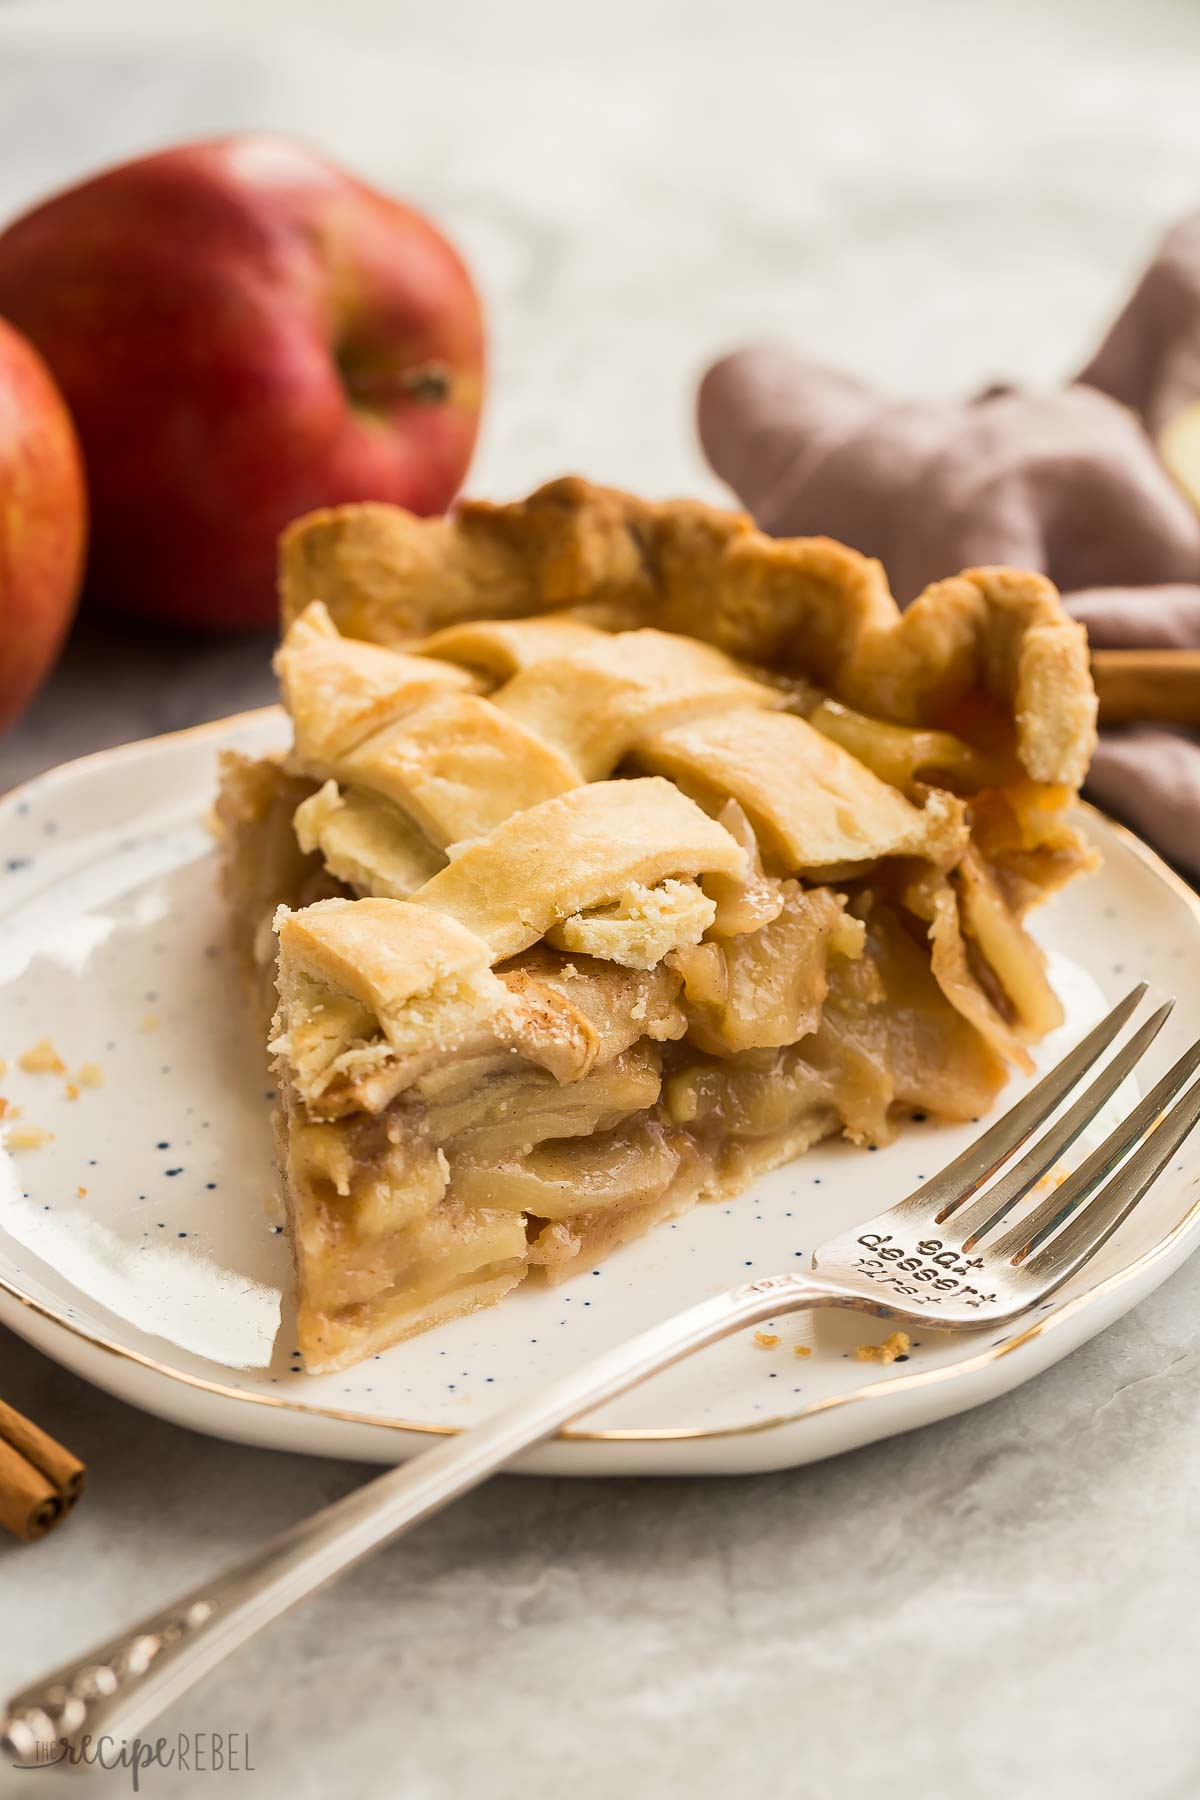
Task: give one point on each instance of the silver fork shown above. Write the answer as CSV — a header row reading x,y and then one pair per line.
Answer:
x,y
934,1261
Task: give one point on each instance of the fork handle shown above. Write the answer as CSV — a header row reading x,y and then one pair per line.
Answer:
x,y
120,1686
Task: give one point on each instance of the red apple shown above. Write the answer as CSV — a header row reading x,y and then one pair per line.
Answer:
x,y
43,521
243,332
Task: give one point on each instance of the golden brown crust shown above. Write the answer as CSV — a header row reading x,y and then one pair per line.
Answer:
x,y
262,864
1000,632
802,605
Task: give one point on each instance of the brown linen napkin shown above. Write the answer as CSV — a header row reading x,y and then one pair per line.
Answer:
x,y
1069,482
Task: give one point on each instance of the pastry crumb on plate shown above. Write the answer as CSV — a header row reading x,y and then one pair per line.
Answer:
x,y
27,1137
42,1059
891,1349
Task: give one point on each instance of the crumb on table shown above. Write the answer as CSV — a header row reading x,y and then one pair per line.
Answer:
x,y
89,1075
71,1091
889,1351
149,1022
42,1059
801,1349
767,1340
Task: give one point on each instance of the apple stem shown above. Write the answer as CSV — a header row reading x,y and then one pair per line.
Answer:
x,y
430,383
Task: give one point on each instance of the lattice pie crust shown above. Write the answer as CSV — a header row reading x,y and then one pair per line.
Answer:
x,y
622,852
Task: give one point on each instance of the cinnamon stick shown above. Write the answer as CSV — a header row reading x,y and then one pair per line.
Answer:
x,y
39,1480
1148,686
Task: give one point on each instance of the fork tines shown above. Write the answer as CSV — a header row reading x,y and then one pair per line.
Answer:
x,y
1058,1235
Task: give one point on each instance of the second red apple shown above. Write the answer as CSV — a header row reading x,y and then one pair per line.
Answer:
x,y
43,522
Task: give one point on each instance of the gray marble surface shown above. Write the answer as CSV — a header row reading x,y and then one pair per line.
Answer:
x,y
941,193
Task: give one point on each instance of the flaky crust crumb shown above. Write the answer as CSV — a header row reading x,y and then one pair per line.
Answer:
x,y
890,1351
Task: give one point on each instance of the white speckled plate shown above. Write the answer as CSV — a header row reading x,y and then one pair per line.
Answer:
x,y
142,1245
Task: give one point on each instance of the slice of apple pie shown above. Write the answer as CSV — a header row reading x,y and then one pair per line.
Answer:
x,y
622,852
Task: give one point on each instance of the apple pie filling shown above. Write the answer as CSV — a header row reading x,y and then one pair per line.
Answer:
x,y
584,912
